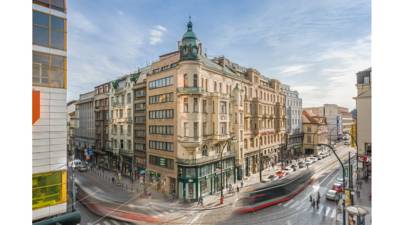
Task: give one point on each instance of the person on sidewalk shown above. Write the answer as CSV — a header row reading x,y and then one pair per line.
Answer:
x,y
200,201
313,204
311,198
241,183
237,189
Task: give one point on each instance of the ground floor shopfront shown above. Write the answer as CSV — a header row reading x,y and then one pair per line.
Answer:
x,y
269,157
206,179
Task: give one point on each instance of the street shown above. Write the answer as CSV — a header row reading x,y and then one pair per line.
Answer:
x,y
296,211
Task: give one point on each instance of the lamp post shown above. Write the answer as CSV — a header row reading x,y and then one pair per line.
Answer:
x,y
344,175
229,140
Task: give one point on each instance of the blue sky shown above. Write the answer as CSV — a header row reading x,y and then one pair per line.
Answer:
x,y
316,46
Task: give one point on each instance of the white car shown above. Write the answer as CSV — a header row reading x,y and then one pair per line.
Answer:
x,y
312,159
288,169
331,195
77,163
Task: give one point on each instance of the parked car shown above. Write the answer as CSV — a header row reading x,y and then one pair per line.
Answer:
x,y
288,169
271,177
302,165
331,195
312,159
339,180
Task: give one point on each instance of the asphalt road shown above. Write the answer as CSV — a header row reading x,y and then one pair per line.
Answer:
x,y
296,211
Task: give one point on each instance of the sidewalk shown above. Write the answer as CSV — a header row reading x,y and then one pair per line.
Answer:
x,y
364,199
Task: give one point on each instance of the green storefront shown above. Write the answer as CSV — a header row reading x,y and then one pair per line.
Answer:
x,y
204,179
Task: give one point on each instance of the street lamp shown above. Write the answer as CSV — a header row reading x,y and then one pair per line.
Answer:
x,y
344,175
229,140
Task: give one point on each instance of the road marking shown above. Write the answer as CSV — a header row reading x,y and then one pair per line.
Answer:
x,y
320,209
115,222
195,218
295,204
288,203
333,213
106,223
301,206
327,211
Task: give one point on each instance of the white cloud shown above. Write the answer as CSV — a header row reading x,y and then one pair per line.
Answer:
x,y
80,22
293,69
156,34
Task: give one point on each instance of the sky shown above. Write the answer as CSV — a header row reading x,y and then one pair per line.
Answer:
x,y
315,46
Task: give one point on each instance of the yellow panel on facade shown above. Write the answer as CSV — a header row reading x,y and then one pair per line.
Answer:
x,y
49,189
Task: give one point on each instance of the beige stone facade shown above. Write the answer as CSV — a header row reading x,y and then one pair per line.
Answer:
x,y
315,132
363,103
195,105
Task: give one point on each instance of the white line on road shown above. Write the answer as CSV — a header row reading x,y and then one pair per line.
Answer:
x,y
333,213
295,204
195,218
320,209
327,211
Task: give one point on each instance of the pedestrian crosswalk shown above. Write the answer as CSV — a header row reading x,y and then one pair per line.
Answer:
x,y
304,206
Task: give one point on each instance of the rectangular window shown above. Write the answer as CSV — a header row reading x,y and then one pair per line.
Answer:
x,y
195,105
140,147
169,97
49,189
48,30
48,70
140,133
185,105
140,119
186,129
140,106
204,106
223,128
161,114
161,145
140,93
128,98
204,130
129,129
161,130
195,129
121,129
129,144
163,82
223,107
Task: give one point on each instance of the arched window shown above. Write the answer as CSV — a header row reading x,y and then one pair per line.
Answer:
x,y
204,151
185,80
195,80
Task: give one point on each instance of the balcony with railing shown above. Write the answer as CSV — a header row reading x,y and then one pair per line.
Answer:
x,y
206,159
189,142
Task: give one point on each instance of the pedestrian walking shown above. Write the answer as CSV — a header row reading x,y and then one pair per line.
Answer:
x,y
318,203
310,198
313,204
324,211
237,189
199,201
113,180
241,183
318,196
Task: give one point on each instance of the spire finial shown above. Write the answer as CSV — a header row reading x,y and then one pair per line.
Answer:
x,y
189,24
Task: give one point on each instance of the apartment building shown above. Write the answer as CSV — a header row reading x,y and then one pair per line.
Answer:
x,y
101,121
195,107
294,125
139,121
85,133
49,114
316,132
363,103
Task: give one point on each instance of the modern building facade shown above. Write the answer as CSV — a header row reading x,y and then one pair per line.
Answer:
x,y
363,104
49,113
85,133
316,132
209,121
294,125
101,122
